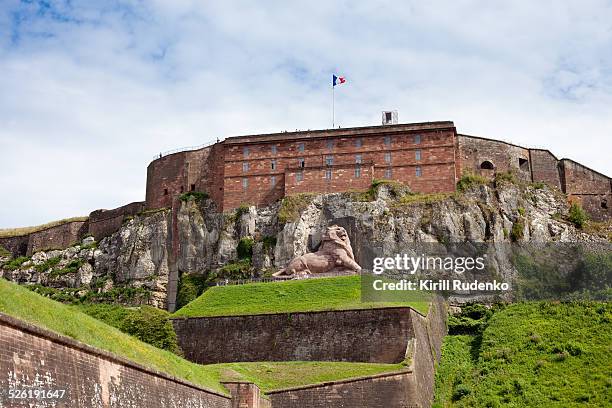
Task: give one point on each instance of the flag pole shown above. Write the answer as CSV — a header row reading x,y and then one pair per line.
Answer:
x,y
333,108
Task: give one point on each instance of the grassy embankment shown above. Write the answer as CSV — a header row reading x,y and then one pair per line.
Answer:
x,y
339,293
531,355
68,320
15,232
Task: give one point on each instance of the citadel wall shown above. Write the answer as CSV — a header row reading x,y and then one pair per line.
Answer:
x,y
33,358
592,189
370,335
103,223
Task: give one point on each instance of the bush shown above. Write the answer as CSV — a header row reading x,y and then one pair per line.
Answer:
x,y
468,180
190,287
243,209
505,177
245,248
193,196
268,242
48,264
577,215
234,271
16,263
146,323
461,391
72,267
518,230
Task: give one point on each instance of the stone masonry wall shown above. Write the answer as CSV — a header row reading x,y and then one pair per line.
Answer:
x,y
413,387
32,358
58,237
544,167
370,335
592,189
103,223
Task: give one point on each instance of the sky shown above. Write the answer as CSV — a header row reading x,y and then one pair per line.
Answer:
x,y
90,91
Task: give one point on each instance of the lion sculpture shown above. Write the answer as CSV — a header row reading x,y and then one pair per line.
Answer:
x,y
334,255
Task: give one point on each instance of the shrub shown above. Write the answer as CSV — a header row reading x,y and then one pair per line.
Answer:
x,y
461,391
538,185
190,287
268,242
15,263
233,271
243,209
518,230
521,211
146,323
468,180
72,267
245,248
193,196
48,264
577,215
505,177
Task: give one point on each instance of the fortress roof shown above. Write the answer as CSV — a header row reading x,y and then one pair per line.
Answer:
x,y
346,132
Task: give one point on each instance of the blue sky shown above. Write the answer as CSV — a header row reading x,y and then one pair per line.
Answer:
x,y
90,92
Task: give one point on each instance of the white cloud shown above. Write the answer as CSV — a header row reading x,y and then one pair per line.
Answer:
x,y
91,93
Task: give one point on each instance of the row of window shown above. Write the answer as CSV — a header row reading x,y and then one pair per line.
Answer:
x,y
329,161
330,145
299,176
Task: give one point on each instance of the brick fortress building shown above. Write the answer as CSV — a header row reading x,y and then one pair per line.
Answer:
x,y
428,157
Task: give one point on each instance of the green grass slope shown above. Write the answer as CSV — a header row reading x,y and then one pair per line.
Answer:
x,y
340,293
531,355
26,305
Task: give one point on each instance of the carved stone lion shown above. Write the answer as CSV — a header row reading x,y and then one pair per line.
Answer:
x,y
334,255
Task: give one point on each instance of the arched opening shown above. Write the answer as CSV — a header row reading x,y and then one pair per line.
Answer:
x,y
487,165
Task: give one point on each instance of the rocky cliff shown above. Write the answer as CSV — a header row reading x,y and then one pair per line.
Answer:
x,y
135,264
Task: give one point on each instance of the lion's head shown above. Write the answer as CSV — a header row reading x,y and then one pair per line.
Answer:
x,y
337,234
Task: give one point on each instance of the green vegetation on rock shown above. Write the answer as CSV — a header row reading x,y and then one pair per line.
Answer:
x,y
190,286
16,263
531,355
577,215
468,180
292,206
4,253
196,196
339,293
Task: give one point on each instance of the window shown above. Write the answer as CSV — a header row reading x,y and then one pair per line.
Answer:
x,y
358,142
417,139
417,154
273,164
301,147
165,191
182,189
245,151
388,173
388,117
299,176
523,164
301,162
273,180
328,174
358,159
357,171
387,157
329,160
387,140
418,171
245,183
193,187
487,165
330,144
273,149
245,167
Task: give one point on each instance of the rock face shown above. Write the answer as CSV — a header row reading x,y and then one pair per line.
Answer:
x,y
144,254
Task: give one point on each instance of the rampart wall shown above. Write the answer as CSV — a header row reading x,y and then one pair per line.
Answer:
x,y
58,237
33,358
103,223
369,335
592,189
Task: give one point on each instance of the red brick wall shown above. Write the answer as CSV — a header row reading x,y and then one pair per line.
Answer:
x,y
32,358
544,167
103,223
436,148
372,335
58,237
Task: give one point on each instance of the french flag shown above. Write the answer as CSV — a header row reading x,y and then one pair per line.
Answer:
x,y
337,80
